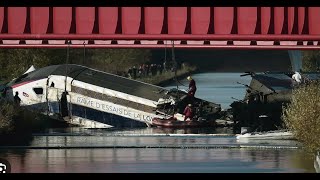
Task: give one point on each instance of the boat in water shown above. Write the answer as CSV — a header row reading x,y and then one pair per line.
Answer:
x,y
265,97
174,122
267,135
95,99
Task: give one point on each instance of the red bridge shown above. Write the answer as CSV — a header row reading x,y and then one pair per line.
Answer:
x,y
159,27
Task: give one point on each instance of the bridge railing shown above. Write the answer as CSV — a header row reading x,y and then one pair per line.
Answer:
x,y
157,27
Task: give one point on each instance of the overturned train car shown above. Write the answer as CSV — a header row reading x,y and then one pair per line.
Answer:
x,y
94,99
267,93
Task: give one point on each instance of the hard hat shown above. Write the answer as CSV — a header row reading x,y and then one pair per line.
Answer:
x,y
189,104
189,78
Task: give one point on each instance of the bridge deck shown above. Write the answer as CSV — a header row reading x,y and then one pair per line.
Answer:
x,y
155,27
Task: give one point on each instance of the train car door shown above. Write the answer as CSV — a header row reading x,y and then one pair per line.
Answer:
x,y
58,100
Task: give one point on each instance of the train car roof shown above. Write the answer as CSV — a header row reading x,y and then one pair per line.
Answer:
x,y
98,78
275,81
282,80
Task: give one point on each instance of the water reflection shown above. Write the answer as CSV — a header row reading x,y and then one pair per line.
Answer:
x,y
76,131
159,160
146,150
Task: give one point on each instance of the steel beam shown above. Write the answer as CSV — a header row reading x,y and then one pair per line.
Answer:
x,y
158,46
204,37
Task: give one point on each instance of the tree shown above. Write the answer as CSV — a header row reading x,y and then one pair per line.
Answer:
x,y
16,61
311,60
118,60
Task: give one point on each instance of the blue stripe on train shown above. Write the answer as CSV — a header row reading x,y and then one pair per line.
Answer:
x,y
91,114
104,117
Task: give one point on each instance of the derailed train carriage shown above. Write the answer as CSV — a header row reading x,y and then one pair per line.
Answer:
x,y
266,95
90,98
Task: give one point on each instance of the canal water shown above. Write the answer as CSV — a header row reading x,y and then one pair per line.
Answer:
x,y
221,88
156,150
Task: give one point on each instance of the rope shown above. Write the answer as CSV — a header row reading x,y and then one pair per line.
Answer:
x,y
66,69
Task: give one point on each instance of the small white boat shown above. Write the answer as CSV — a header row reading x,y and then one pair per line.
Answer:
x,y
268,135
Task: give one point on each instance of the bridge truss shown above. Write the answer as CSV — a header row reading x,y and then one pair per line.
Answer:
x,y
159,27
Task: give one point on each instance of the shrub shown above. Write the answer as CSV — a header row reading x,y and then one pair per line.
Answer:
x,y
7,114
302,115
14,119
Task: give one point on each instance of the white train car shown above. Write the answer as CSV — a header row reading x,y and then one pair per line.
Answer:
x,y
95,99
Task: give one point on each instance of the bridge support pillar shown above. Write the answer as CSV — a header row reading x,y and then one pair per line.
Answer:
x,y
295,59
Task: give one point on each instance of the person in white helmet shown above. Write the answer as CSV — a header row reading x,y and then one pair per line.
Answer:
x,y
192,86
297,77
192,90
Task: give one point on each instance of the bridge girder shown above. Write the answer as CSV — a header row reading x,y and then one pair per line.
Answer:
x,y
159,27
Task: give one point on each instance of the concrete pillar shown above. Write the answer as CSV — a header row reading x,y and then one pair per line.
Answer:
x,y
295,59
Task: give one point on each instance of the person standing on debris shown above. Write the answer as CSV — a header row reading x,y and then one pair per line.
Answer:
x,y
17,99
134,72
192,87
130,72
188,112
297,77
64,104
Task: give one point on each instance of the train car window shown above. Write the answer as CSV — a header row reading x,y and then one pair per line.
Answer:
x,y
38,91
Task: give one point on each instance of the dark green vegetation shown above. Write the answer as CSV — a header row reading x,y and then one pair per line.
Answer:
x,y
311,60
18,124
7,114
302,115
15,61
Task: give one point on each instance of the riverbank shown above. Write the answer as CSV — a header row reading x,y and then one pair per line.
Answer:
x,y
17,124
169,77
